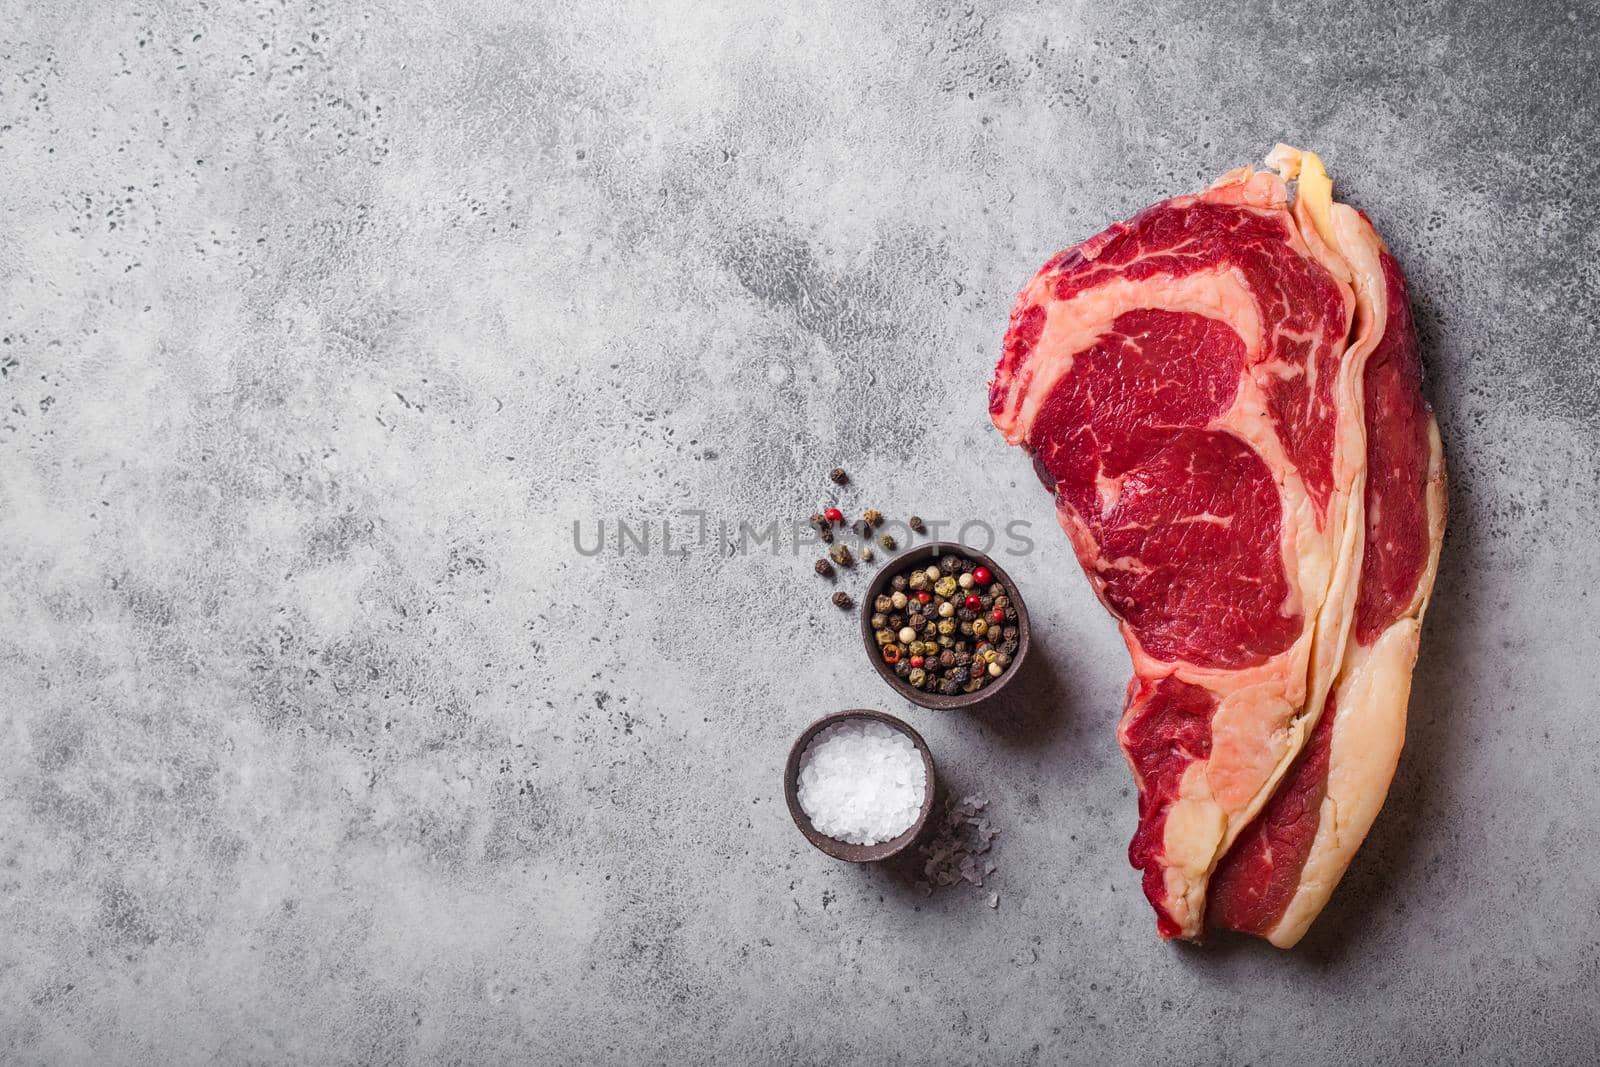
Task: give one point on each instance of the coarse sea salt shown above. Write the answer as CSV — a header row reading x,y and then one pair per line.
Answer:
x,y
862,782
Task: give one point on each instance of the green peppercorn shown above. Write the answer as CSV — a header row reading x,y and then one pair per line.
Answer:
x,y
883,604
945,586
884,637
947,626
917,676
841,555
872,517
918,581
879,620
887,542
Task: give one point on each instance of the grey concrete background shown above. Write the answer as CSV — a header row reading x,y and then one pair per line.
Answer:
x,y
321,326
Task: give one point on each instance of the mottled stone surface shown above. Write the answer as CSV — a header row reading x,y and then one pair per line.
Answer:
x,y
323,324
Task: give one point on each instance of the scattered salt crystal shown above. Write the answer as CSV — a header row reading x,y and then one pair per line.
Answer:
x,y
862,782
994,900
960,836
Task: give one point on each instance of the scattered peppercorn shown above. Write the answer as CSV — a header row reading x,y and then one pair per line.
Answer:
x,y
841,599
841,555
838,476
867,555
872,517
819,521
833,515
917,525
887,542
825,535
824,569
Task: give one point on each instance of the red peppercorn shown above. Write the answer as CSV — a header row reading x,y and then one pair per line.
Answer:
x,y
917,661
833,515
974,602
981,575
923,596
891,654
998,614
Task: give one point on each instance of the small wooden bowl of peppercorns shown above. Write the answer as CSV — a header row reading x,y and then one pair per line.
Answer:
x,y
944,626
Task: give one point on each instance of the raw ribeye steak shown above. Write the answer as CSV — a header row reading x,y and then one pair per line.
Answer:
x,y
1204,388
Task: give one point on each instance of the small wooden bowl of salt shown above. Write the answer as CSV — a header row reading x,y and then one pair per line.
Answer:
x,y
860,785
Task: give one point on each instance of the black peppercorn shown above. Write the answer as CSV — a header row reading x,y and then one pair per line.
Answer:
x,y
841,599
838,476
917,525
949,564
902,668
826,536
824,568
898,583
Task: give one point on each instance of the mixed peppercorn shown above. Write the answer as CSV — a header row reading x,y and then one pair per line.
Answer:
x,y
946,627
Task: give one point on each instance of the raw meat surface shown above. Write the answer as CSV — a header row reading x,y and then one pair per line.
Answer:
x,y
1270,868
1191,384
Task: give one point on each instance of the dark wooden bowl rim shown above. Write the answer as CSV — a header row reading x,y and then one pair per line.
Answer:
x,y
844,850
880,585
